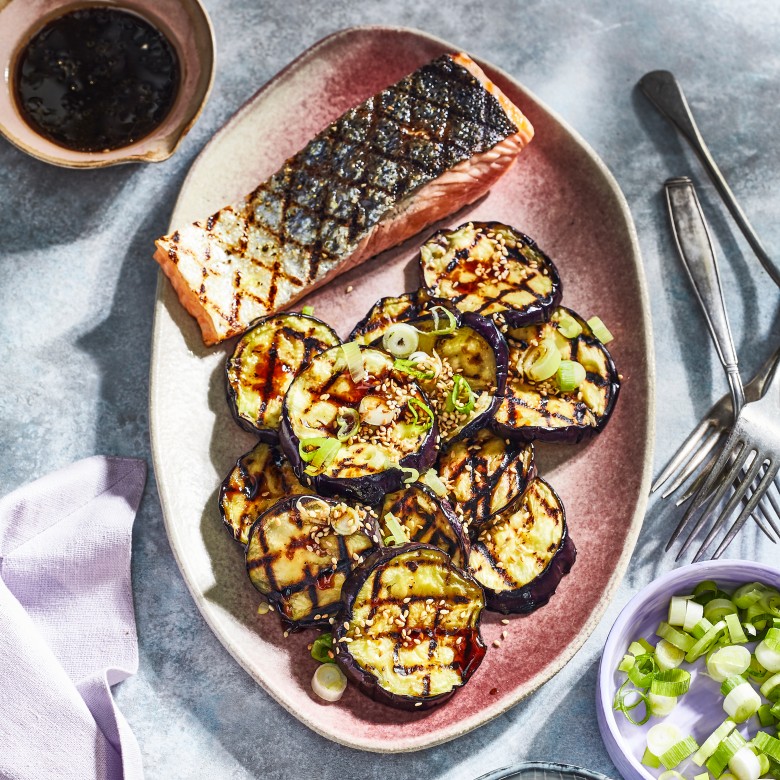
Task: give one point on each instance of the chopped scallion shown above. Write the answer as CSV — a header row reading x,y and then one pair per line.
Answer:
x,y
600,330
322,649
307,310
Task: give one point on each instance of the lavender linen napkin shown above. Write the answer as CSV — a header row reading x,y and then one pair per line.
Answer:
x,y
67,626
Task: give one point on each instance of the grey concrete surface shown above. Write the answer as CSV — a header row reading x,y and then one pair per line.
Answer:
x,y
77,289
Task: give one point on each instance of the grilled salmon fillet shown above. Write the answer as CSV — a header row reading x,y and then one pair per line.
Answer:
x,y
408,156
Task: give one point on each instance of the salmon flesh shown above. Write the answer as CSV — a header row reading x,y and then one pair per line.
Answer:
x,y
408,156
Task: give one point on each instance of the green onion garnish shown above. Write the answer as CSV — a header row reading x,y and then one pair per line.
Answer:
x,y
567,325
452,323
433,481
622,705
541,362
322,649
600,330
307,310
318,452
570,375
408,366
354,358
461,387
678,752
671,682
709,746
400,340
643,671
398,533
724,752
674,637
412,475
768,744
765,715
349,423
648,759
416,403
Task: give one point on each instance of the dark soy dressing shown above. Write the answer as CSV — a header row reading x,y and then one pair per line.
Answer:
x,y
96,79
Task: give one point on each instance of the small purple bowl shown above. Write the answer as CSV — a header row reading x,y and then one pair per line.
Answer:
x,y
700,711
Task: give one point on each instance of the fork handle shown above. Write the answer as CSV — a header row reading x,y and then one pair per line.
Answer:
x,y
695,248
664,91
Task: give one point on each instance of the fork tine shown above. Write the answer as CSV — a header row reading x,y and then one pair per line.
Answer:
x,y
682,453
760,490
770,497
720,479
693,488
709,443
714,473
731,504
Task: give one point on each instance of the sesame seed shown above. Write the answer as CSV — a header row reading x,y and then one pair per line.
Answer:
x,y
349,289
496,643
505,622
503,634
418,704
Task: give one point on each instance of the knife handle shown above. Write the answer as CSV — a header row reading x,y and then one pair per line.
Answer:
x,y
695,248
663,90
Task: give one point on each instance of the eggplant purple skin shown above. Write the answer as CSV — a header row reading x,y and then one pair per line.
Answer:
x,y
368,489
541,311
266,435
421,301
573,434
541,589
275,599
365,681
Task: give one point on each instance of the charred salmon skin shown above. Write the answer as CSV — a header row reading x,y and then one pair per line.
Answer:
x,y
405,158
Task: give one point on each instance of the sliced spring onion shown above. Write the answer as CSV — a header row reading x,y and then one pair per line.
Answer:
x,y
648,759
329,682
716,609
626,663
736,632
767,656
600,330
705,591
307,310
433,481
621,703
724,752
701,628
318,452
706,642
348,421
703,776
322,649
452,323
730,683
678,607
414,404
768,744
400,339
765,715
570,375
772,639
748,594
659,705
710,745
764,762
775,711
671,682
541,362
662,737
567,325
694,612
741,702
354,358
667,655
398,534
410,367
757,672
461,388
745,764
677,638
771,688
728,661
670,774
643,671
640,647
678,752
412,475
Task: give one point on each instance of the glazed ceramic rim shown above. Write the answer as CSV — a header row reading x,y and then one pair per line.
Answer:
x,y
508,772
154,147
488,713
619,751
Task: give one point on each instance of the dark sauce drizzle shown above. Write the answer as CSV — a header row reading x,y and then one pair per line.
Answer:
x,y
96,79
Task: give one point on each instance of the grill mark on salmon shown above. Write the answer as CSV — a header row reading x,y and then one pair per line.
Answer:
x,y
405,158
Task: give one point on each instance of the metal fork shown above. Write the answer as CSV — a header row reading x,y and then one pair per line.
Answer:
x,y
698,257
753,444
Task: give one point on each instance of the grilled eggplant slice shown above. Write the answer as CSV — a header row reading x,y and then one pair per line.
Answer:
x,y
301,551
394,427
541,410
475,356
521,554
264,362
386,312
484,474
257,481
426,519
408,632
492,269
